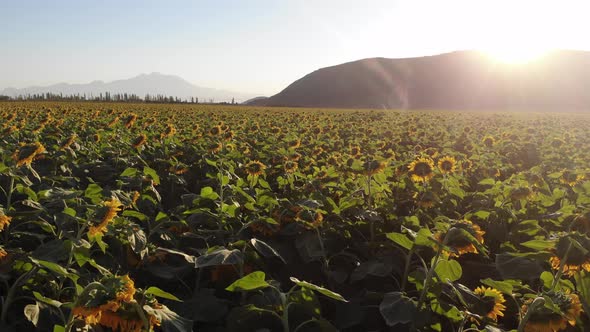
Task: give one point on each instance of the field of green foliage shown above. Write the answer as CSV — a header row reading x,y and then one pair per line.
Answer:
x,y
140,217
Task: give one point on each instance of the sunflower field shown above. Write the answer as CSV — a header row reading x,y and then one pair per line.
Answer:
x,y
154,217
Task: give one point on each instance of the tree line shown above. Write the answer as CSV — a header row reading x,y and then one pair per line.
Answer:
x,y
111,97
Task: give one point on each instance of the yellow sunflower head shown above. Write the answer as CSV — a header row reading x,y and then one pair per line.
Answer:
x,y
290,166
488,141
492,302
254,168
139,141
27,153
421,169
447,165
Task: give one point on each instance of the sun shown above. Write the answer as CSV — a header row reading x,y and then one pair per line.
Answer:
x,y
515,55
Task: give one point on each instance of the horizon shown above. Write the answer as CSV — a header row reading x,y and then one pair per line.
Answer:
x,y
261,47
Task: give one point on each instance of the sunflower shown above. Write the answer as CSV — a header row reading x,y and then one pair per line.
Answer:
x,y
447,165
309,219
545,320
255,168
3,253
139,141
421,169
27,153
570,178
4,221
494,300
576,259
113,122
521,193
294,144
488,141
169,132
130,121
460,243
69,142
355,151
110,210
290,166
127,290
263,228
425,200
96,138
214,147
373,167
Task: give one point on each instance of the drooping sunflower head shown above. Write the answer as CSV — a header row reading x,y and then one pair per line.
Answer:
x,y
457,240
214,147
544,319
571,178
254,168
492,302
4,221
447,164
105,214
421,169
139,141
309,219
373,167
27,153
519,193
426,200
576,259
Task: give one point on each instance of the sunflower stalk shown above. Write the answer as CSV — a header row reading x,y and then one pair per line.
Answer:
x,y
430,273
559,273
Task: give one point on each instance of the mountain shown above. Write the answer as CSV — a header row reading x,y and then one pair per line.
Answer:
x,y
153,84
457,80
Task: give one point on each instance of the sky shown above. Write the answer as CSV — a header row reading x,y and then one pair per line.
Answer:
x,y
261,46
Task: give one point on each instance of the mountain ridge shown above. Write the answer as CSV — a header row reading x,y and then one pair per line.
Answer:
x,y
153,84
455,80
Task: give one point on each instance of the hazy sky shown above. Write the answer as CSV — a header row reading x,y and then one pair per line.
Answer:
x,y
260,46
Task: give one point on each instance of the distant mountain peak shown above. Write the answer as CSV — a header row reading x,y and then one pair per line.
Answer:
x,y
154,83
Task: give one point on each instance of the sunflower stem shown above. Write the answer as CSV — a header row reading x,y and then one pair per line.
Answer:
x,y
559,273
407,268
430,273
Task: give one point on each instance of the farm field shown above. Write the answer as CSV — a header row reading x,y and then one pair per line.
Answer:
x,y
133,217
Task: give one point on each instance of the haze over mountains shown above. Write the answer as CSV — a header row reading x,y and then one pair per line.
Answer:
x,y
458,80
152,84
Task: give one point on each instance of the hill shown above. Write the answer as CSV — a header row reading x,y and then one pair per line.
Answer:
x,y
153,84
457,80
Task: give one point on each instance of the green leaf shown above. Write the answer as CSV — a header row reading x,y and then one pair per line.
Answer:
x,y
160,293
69,211
94,192
130,172
47,300
397,308
487,182
208,193
59,328
319,289
400,239
252,281
547,279
151,173
502,286
135,214
539,244
265,249
448,270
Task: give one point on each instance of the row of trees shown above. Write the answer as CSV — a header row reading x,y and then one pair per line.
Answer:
x,y
108,97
